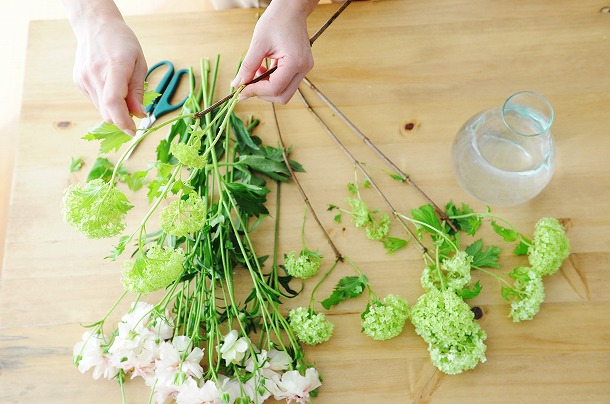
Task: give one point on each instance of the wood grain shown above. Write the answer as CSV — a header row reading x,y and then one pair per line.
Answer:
x,y
383,63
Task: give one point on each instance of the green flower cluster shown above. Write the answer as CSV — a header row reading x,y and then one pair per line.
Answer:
x,y
184,216
457,270
551,246
454,274
309,327
97,209
385,320
304,266
157,269
188,154
378,230
455,340
526,295
362,217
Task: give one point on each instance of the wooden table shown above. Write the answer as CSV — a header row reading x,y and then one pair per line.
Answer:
x,y
384,64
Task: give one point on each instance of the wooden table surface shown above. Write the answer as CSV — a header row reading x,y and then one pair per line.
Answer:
x,y
383,63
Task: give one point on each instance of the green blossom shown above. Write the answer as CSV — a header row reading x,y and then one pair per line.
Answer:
x,y
385,320
184,216
96,209
378,230
430,279
361,216
526,295
551,246
455,340
160,267
304,266
457,270
309,327
188,154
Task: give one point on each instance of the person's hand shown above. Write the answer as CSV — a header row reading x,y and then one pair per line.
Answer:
x,y
110,68
280,35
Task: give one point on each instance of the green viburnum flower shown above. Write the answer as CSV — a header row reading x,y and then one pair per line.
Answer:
x,y
526,295
430,279
304,266
361,216
157,269
385,320
551,246
184,216
378,230
455,340
457,269
96,209
188,154
309,327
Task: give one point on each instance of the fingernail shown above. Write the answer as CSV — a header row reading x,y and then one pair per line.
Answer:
x,y
143,110
235,81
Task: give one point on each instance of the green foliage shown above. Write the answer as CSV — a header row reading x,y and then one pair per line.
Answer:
x,y
483,257
393,244
111,137
347,287
76,163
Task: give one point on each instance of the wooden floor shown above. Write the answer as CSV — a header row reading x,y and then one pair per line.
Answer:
x,y
14,21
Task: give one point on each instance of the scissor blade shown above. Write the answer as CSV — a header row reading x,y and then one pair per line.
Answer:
x,y
145,123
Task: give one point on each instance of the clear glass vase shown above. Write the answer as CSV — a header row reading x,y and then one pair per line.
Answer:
x,y
505,156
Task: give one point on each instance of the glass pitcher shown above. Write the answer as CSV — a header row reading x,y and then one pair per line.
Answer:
x,y
505,156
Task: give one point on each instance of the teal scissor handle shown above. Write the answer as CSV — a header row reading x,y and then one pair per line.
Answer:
x,y
167,88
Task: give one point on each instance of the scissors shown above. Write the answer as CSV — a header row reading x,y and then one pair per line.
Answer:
x,y
161,105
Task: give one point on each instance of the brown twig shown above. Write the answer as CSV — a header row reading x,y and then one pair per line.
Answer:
x,y
359,165
315,36
330,21
338,255
370,144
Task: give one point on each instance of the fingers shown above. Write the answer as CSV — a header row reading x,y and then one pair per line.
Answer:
x,y
135,91
251,63
115,91
281,85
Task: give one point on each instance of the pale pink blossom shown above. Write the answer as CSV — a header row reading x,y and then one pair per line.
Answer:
x,y
294,386
179,356
88,354
190,393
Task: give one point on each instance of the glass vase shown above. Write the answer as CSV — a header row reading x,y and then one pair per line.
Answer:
x,y
505,156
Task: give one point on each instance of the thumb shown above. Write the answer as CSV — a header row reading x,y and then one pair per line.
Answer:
x,y
249,66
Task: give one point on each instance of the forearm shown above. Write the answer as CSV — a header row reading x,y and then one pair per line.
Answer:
x,y
83,13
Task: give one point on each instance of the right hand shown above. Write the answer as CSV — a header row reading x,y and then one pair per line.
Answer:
x,y
110,68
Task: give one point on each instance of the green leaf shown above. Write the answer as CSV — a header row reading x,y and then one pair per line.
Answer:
x,y
76,163
487,257
149,97
521,249
352,188
102,168
469,224
250,198
393,244
244,141
347,287
273,169
112,138
135,180
337,218
470,293
507,234
155,189
119,248
426,214
397,177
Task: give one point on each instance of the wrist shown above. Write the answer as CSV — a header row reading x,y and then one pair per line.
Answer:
x,y
83,15
300,7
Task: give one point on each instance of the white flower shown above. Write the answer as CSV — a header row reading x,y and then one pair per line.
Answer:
x,y
294,386
279,360
191,393
258,388
233,349
173,358
230,388
88,354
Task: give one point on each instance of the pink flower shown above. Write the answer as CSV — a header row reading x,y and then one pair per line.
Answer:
x,y
88,354
190,392
294,386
